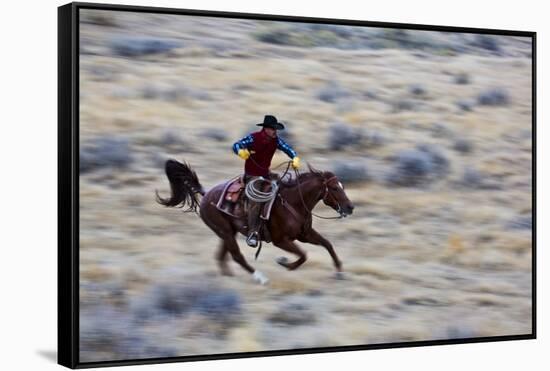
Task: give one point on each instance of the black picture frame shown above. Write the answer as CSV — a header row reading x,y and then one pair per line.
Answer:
x,y
68,183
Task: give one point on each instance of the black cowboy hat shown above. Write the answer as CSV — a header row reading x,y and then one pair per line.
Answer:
x,y
271,122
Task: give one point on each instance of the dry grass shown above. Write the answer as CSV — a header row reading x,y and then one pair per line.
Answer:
x,y
446,246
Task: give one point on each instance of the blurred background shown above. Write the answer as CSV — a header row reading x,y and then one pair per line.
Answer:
x,y
429,131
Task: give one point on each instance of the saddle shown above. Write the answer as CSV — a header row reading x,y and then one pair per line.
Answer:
x,y
234,202
234,190
230,201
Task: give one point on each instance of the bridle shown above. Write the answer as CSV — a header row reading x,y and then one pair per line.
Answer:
x,y
326,193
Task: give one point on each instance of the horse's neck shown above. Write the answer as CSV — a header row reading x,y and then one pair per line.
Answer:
x,y
305,189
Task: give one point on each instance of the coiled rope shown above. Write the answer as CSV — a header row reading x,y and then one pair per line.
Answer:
x,y
255,194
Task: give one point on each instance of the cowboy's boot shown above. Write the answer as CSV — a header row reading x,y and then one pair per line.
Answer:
x,y
253,221
252,239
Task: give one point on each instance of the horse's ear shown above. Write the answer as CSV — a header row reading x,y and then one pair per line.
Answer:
x,y
311,168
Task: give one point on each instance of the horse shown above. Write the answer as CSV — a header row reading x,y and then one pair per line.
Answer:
x,y
291,214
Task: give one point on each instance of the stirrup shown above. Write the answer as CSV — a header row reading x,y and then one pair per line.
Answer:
x,y
252,239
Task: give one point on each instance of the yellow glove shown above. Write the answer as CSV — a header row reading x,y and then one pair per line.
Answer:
x,y
296,162
244,154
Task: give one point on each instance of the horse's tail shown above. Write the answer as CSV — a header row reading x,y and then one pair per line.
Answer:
x,y
184,184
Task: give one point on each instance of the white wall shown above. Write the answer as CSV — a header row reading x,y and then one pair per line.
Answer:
x,y
28,182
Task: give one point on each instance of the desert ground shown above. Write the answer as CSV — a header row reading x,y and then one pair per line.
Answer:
x,y
430,132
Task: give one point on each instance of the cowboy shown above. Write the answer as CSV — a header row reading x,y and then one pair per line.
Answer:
x,y
257,149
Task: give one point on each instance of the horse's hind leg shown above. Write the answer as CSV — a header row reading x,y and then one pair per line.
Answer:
x,y
233,248
221,257
235,252
223,228
315,238
291,247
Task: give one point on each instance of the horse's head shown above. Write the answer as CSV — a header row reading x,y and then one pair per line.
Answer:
x,y
335,196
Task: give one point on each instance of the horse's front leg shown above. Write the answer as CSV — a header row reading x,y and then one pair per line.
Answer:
x,y
291,247
315,238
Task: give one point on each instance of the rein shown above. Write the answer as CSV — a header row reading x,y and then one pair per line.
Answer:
x,y
325,195
273,168
297,173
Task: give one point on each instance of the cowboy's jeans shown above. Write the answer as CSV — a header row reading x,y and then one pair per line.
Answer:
x,y
254,209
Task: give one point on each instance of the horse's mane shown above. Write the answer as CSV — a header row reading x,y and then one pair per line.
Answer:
x,y
312,173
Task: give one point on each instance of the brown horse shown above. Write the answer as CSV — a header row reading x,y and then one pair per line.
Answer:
x,y
291,214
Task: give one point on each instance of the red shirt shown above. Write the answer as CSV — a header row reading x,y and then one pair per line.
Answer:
x,y
261,152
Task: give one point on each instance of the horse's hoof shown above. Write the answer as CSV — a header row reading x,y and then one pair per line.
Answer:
x,y
282,260
260,278
340,276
